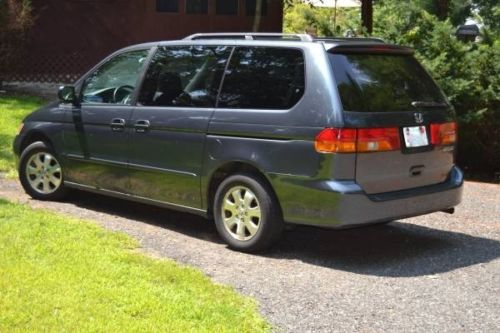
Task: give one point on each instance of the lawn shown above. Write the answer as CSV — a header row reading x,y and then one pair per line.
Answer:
x,y
12,111
63,274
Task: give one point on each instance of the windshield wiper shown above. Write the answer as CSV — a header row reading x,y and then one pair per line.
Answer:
x,y
423,104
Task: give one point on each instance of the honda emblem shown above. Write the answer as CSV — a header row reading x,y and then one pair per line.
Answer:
x,y
418,118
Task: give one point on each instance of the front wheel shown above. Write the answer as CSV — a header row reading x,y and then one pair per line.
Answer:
x,y
40,172
246,213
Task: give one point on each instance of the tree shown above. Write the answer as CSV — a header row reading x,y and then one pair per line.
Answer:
x,y
300,17
469,74
16,19
367,15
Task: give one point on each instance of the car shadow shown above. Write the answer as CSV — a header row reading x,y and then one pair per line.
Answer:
x,y
188,224
397,249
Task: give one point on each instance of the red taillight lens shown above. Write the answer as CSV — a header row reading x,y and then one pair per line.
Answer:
x,y
336,140
350,140
444,134
378,139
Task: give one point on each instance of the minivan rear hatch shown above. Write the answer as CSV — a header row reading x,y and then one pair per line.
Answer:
x,y
387,95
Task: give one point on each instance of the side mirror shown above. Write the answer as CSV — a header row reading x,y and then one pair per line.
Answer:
x,y
67,94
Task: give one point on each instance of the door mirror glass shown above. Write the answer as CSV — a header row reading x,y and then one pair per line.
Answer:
x,y
67,94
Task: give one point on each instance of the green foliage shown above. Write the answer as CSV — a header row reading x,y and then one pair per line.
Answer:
x,y
489,11
300,18
60,274
12,111
469,74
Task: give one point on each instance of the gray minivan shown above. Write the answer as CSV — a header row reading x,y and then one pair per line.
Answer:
x,y
254,131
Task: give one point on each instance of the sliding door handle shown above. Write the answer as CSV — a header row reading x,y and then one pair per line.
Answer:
x,y
141,126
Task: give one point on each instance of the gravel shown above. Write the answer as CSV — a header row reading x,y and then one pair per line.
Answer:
x,y
435,273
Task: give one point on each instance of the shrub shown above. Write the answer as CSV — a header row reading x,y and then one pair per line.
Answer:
x,y
468,73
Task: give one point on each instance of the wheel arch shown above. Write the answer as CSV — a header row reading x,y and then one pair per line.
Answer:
x,y
227,169
34,136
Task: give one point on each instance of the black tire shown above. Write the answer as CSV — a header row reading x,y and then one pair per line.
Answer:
x,y
54,190
270,223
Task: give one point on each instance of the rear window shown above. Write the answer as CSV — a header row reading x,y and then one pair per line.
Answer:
x,y
383,82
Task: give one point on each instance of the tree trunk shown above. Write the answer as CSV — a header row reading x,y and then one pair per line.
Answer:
x,y
367,15
258,15
443,8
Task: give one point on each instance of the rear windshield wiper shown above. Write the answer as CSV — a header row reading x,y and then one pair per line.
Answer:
x,y
423,104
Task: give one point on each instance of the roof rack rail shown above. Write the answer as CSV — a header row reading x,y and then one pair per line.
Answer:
x,y
349,39
250,36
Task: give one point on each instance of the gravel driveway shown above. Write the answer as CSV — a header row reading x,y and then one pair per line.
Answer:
x,y
436,273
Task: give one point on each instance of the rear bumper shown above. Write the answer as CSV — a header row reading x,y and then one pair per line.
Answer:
x,y
340,204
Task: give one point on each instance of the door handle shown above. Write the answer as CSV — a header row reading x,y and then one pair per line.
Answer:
x,y
117,124
141,126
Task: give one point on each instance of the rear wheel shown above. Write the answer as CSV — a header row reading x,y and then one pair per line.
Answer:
x,y
40,172
247,215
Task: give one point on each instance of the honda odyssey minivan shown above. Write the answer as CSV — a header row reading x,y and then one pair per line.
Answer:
x,y
253,130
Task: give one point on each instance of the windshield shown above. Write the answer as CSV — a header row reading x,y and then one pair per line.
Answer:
x,y
383,83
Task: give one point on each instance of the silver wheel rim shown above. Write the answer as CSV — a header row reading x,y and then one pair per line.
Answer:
x,y
241,213
43,173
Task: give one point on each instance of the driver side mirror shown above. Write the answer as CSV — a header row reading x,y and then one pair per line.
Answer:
x,y
67,94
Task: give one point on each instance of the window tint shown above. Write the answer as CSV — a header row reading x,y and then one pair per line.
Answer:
x,y
115,80
167,6
382,82
226,7
250,6
184,76
263,78
196,6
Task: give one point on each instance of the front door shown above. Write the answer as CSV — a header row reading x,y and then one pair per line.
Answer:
x,y
170,121
97,133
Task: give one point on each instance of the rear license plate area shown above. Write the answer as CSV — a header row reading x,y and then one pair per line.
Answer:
x,y
415,136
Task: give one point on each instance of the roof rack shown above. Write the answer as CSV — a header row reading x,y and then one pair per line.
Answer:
x,y
251,36
349,39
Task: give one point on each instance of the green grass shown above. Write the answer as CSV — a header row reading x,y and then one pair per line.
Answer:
x,y
12,111
67,275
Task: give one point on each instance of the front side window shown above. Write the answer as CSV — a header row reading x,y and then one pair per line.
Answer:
x,y
263,78
115,81
184,76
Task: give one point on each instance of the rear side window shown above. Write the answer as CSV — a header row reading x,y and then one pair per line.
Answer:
x,y
382,82
263,78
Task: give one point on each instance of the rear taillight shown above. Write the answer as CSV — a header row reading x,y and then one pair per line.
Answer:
x,y
336,140
443,134
378,139
350,140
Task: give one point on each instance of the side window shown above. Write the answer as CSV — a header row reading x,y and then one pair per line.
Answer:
x,y
226,7
263,78
114,82
251,6
184,76
196,6
167,6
